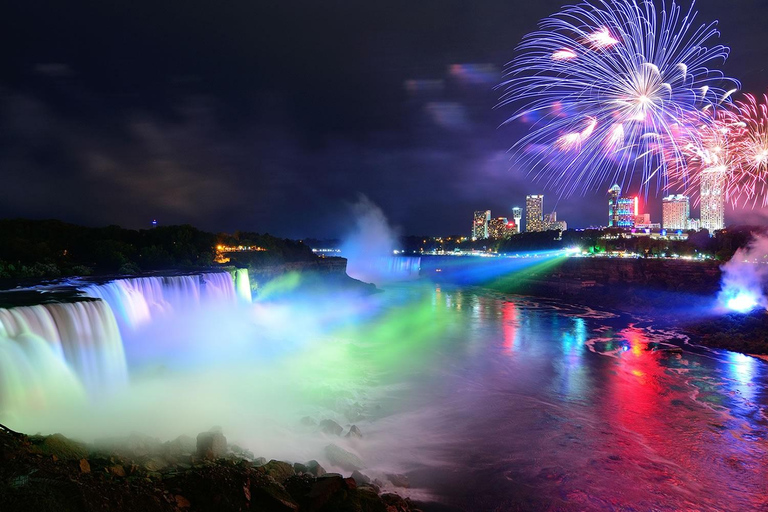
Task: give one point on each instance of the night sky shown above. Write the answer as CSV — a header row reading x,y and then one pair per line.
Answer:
x,y
273,116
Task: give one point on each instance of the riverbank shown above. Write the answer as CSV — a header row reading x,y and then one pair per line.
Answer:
x,y
139,473
674,293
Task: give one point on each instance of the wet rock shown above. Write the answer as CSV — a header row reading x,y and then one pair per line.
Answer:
x,y
300,468
155,464
181,501
398,480
241,452
85,466
272,498
395,503
331,427
315,468
278,470
360,478
182,445
259,461
211,445
116,470
323,490
342,458
61,447
354,432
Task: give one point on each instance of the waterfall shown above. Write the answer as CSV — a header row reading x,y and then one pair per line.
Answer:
x,y
59,353
136,301
243,285
50,352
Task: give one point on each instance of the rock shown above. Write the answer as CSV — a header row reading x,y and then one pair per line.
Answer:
x,y
308,421
342,458
181,501
315,468
116,470
259,461
154,464
62,447
278,470
85,466
331,427
350,483
300,468
182,445
360,478
241,452
323,490
395,503
211,445
272,498
398,480
354,432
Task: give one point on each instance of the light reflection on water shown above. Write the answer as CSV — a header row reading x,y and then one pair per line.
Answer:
x,y
541,405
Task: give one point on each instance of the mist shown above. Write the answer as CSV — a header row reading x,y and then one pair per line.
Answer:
x,y
745,276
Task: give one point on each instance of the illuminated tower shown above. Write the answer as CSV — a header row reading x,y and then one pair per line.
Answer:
x,y
675,212
534,207
480,224
712,195
627,211
517,214
613,206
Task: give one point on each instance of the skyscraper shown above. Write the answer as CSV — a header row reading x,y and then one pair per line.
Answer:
x,y
675,212
517,215
480,224
613,205
499,228
534,208
627,210
712,194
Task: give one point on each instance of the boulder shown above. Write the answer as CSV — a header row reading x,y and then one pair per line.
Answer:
x,y
278,470
211,445
182,445
61,447
342,458
116,470
259,461
330,427
323,490
300,468
354,432
314,468
85,466
360,478
398,480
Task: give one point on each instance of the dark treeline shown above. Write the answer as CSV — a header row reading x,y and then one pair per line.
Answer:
x,y
51,248
721,246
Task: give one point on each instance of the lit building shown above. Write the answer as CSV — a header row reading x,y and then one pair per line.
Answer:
x,y
712,195
613,205
642,219
627,209
675,212
480,225
500,227
694,224
534,208
517,215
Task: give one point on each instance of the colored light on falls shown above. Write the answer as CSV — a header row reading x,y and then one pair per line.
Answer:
x,y
743,302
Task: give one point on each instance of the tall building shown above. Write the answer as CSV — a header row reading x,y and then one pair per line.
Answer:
x,y
613,205
517,215
499,228
627,209
534,208
675,212
712,195
480,224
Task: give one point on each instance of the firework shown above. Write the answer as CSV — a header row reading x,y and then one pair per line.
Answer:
x,y
613,86
750,187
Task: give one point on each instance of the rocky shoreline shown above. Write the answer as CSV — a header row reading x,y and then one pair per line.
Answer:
x,y
140,473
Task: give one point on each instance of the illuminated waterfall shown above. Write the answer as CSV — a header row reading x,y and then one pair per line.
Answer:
x,y
55,353
243,285
136,301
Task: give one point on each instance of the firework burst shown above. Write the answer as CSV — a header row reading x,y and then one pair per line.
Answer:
x,y
613,85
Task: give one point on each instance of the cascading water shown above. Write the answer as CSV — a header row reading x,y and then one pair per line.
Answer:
x,y
61,352
243,285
